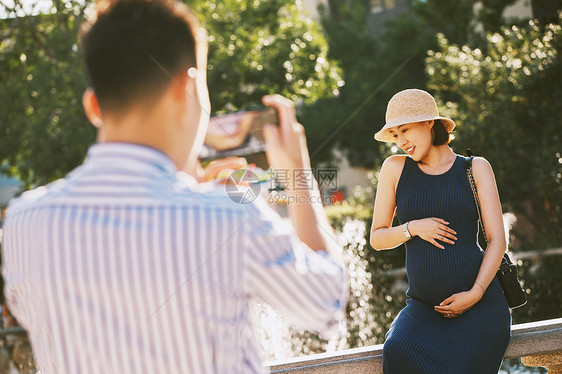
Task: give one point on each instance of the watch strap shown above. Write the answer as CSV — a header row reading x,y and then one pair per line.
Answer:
x,y
406,231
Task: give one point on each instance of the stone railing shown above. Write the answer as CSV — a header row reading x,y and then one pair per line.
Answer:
x,y
16,331
537,343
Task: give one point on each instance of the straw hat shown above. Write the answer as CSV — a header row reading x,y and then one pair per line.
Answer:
x,y
409,106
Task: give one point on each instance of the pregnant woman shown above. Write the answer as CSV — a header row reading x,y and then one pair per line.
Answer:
x,y
456,318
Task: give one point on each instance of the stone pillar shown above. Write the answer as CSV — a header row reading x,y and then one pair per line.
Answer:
x,y
551,361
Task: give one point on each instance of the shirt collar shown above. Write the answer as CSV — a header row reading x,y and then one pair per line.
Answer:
x,y
131,152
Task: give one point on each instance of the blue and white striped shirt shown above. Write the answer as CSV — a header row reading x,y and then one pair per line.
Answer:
x,y
129,266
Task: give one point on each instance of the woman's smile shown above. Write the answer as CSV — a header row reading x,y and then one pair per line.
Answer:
x,y
410,149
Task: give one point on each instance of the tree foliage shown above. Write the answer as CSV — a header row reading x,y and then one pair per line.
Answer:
x,y
373,69
43,131
505,98
263,47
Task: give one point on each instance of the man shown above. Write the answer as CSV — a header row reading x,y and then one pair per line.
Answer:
x,y
128,265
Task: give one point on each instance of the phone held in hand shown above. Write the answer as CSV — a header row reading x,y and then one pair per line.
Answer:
x,y
237,134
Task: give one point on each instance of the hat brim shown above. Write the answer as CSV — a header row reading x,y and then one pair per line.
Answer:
x,y
384,135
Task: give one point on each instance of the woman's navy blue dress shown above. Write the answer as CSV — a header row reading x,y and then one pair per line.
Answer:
x,y
420,340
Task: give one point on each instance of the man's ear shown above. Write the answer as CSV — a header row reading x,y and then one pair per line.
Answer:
x,y
181,86
92,108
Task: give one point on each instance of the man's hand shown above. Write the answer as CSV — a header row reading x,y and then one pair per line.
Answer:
x,y
287,150
286,144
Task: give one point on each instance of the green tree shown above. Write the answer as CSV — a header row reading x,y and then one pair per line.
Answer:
x,y
255,48
505,98
262,47
460,20
376,67
346,121
43,131
373,70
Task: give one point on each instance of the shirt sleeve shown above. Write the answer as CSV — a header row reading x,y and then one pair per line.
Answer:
x,y
308,287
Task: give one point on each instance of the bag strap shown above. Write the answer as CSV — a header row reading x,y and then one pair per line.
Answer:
x,y
468,164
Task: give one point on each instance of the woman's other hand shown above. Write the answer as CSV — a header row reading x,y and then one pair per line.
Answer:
x,y
457,304
433,230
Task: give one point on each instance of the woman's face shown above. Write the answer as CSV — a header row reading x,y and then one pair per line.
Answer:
x,y
414,138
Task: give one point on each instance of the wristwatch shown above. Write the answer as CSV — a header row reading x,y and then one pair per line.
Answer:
x,y
406,232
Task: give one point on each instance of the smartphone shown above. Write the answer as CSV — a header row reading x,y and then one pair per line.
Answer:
x,y
237,134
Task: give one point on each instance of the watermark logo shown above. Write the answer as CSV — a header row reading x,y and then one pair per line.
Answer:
x,y
281,198
302,179
243,186
327,178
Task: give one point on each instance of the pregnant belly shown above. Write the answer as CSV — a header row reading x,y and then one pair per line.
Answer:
x,y
435,274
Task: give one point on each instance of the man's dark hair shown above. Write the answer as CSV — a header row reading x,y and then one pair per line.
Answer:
x,y
440,134
134,47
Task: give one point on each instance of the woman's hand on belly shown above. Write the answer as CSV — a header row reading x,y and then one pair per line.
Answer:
x,y
458,303
433,229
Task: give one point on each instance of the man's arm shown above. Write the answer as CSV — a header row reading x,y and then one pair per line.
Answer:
x,y
287,150
306,286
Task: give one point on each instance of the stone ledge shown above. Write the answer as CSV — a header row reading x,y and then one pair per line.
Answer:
x,y
534,338
552,361
528,339
17,331
364,360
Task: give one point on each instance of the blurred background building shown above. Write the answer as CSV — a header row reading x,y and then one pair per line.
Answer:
x,y
9,187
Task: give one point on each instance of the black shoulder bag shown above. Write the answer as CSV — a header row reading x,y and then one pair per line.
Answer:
x,y
507,273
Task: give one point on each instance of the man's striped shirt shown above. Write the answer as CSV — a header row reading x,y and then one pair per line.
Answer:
x,y
129,266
